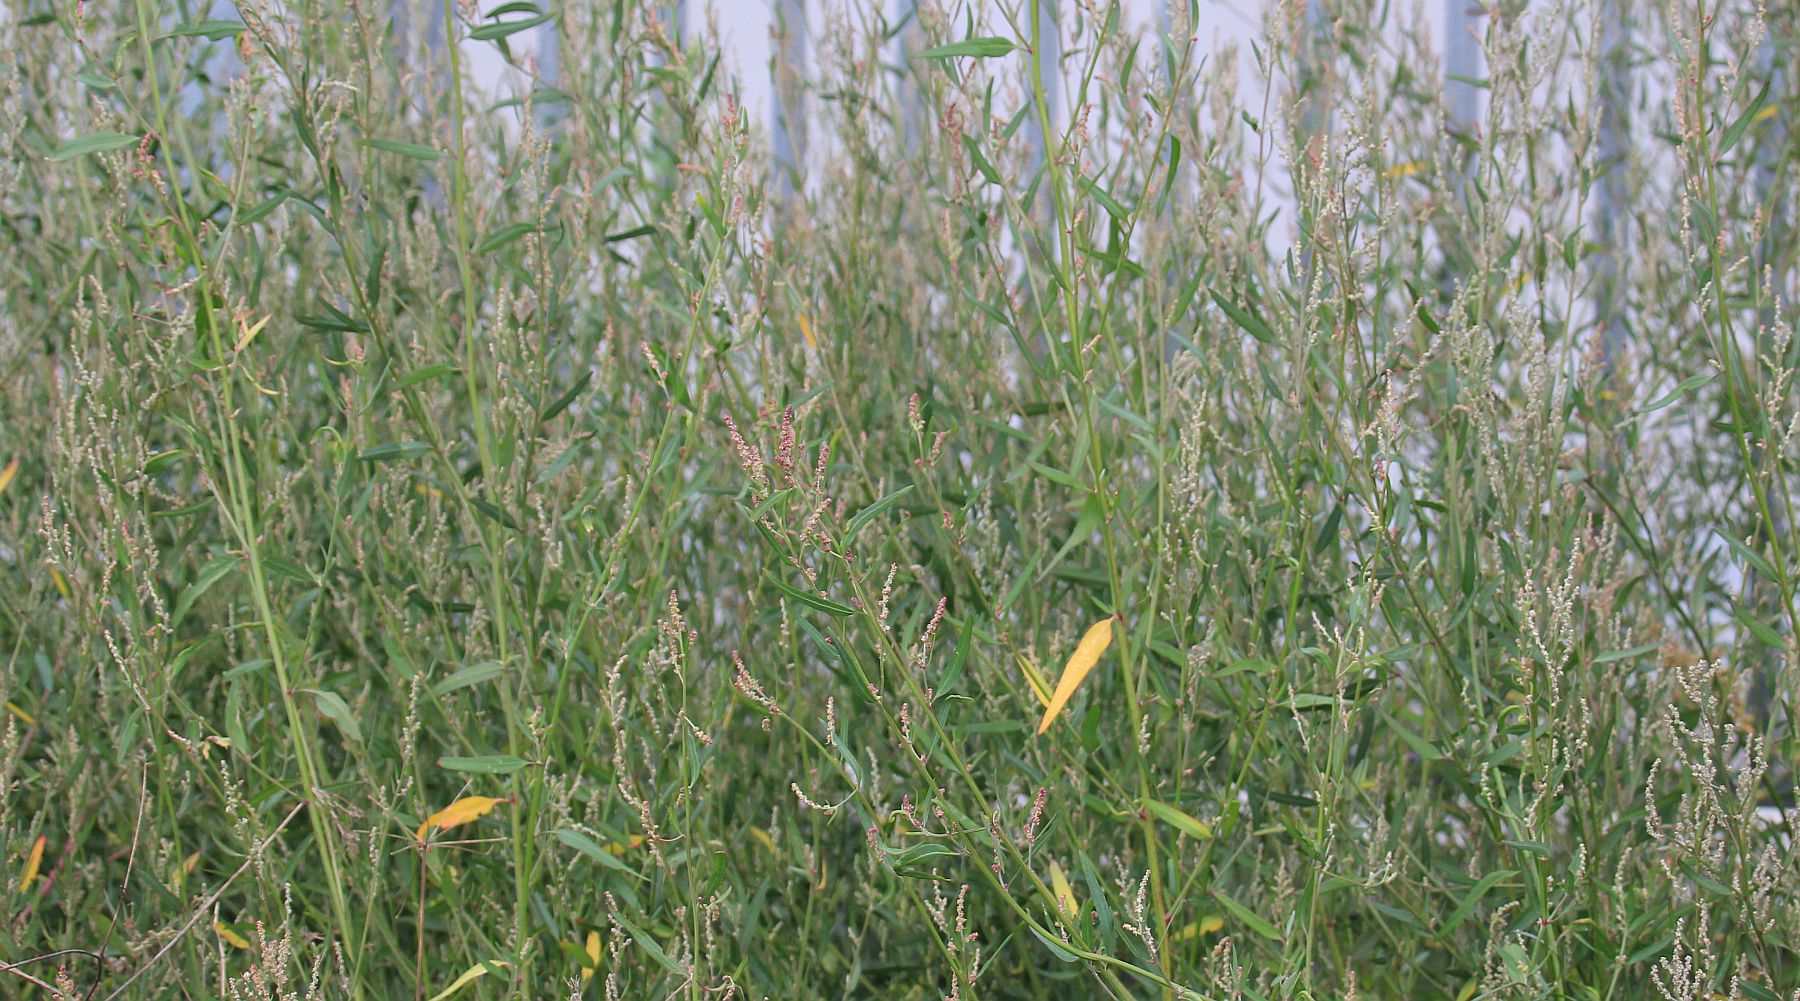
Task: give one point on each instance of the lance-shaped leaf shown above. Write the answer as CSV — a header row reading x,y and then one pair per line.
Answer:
x,y
592,951
480,969
460,812
1065,894
230,935
32,863
1082,661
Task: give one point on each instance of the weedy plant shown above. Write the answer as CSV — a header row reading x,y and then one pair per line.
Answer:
x,y
1238,529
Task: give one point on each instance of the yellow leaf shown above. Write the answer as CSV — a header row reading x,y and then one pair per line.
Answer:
x,y
249,332
621,847
186,869
7,474
1178,819
763,838
231,938
1065,894
593,955
24,717
806,331
1761,116
1405,169
460,812
32,863
61,582
1035,678
1195,929
1086,655
478,970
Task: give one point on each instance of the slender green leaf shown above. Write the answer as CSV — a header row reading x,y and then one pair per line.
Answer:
x,y
412,151
809,599
96,142
594,851
333,706
1177,819
502,29
486,764
979,48
469,677
1472,897
1247,916
874,511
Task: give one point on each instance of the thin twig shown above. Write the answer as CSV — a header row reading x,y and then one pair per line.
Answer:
x,y
124,885
206,905
13,968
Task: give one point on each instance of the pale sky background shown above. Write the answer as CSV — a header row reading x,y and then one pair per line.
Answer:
x,y
745,27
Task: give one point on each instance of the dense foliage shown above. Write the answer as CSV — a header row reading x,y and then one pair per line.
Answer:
x,y
553,546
